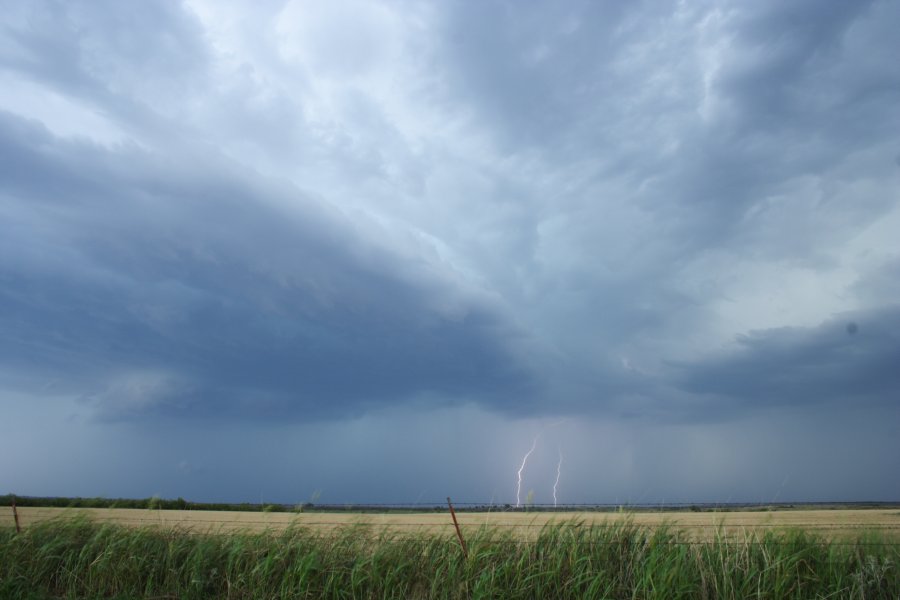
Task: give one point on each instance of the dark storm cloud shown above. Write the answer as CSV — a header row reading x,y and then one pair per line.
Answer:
x,y
388,243
781,52
150,288
659,138
791,101
750,97
850,360
579,184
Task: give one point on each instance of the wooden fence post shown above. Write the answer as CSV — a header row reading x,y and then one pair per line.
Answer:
x,y
16,515
462,542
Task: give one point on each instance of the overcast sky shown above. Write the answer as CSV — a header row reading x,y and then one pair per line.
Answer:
x,y
367,252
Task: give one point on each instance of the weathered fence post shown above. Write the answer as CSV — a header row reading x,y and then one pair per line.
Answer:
x,y
16,515
462,542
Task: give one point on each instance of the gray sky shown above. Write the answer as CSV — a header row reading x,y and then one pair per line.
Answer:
x,y
366,252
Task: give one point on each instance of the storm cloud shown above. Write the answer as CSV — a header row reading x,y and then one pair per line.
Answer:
x,y
162,291
669,225
850,359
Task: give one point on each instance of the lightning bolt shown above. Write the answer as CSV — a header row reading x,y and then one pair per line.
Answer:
x,y
558,471
522,468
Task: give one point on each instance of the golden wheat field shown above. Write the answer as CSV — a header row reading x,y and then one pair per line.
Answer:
x,y
699,525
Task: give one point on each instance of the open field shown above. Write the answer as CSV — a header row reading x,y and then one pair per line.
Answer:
x,y
696,525
612,559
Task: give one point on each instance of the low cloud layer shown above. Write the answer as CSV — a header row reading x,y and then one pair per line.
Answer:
x,y
850,359
150,286
646,215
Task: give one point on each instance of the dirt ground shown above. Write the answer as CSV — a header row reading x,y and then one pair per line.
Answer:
x,y
699,525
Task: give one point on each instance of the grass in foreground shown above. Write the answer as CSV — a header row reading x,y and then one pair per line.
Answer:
x,y
80,559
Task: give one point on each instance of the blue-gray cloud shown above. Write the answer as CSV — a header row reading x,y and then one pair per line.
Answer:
x,y
851,359
163,291
665,216
641,146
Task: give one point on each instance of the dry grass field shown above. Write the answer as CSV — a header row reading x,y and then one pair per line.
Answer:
x,y
74,553
699,525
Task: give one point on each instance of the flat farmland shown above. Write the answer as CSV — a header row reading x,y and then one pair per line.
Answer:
x,y
208,554
832,523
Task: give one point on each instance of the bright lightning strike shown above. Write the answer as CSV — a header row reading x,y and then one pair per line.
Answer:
x,y
558,471
522,468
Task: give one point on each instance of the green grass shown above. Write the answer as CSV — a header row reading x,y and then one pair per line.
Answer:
x,y
80,559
